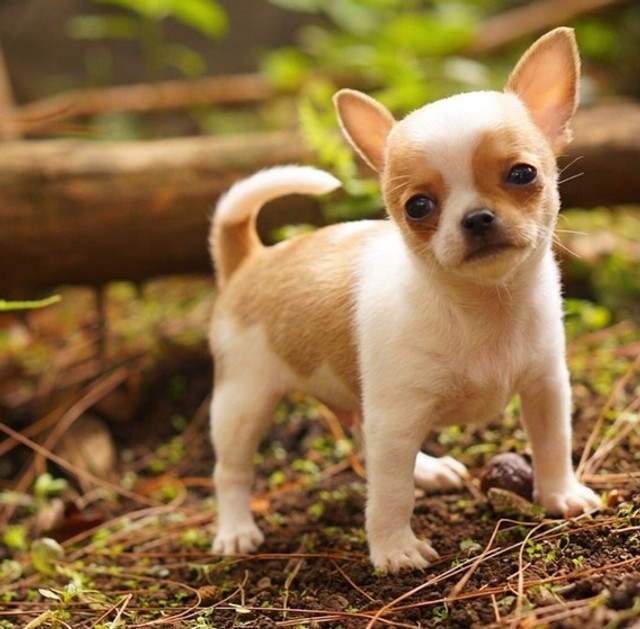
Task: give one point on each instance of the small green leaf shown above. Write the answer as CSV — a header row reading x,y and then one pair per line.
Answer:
x,y
277,479
285,68
205,16
46,486
188,61
45,554
470,546
15,537
10,570
6,306
97,27
152,9
50,594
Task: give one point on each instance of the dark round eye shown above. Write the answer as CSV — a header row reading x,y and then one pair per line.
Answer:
x,y
521,175
419,207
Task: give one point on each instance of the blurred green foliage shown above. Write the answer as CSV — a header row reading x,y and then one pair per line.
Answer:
x,y
403,52
583,316
607,261
406,53
141,21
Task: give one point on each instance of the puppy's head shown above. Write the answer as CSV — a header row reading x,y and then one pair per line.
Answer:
x,y
471,180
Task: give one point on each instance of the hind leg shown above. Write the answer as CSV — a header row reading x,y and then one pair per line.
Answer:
x,y
240,412
438,473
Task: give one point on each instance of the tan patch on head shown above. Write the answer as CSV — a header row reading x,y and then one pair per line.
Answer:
x,y
303,294
518,207
408,174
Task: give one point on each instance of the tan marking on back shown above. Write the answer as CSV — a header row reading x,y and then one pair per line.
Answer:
x,y
230,244
303,293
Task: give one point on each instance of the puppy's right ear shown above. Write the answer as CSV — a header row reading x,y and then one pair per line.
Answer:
x,y
366,125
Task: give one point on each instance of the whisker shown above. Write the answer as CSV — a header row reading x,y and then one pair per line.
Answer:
x,y
571,163
566,249
504,295
571,231
426,246
400,178
392,189
570,178
396,183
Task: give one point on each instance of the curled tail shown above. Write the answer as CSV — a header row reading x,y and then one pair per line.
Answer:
x,y
233,233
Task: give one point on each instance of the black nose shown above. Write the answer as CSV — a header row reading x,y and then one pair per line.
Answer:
x,y
478,222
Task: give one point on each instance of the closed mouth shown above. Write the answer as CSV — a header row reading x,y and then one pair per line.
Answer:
x,y
485,252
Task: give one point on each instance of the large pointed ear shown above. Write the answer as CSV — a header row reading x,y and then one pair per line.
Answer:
x,y
365,123
547,80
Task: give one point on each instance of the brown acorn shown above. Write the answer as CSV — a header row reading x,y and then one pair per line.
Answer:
x,y
509,471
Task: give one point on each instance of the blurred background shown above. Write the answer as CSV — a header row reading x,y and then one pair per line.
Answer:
x,y
121,121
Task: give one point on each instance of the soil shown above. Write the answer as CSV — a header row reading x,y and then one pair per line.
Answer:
x,y
142,559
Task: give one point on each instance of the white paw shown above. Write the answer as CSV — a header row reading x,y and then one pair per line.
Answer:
x,y
238,541
412,554
572,500
438,474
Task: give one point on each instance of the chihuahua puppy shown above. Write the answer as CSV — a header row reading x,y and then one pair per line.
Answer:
x,y
437,316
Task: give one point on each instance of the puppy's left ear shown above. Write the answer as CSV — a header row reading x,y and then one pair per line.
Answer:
x,y
547,80
366,124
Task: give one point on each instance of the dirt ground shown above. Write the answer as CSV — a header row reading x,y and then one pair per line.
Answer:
x,y
131,549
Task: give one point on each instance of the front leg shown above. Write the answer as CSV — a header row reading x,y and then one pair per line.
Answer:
x,y
392,443
546,411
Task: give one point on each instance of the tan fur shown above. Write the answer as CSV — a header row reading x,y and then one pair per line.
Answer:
x,y
305,285
366,123
495,154
349,314
553,104
230,244
411,167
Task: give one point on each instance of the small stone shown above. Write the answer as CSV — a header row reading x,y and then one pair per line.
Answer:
x,y
88,444
264,584
507,504
209,595
337,602
508,471
614,499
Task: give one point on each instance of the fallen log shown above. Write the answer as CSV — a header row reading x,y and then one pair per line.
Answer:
x,y
82,212
44,115
602,165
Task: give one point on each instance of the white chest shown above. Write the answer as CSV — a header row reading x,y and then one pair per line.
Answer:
x,y
455,362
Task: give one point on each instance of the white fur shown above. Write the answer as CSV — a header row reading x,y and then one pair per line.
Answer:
x,y
456,351
446,132
275,376
247,196
509,341
439,341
